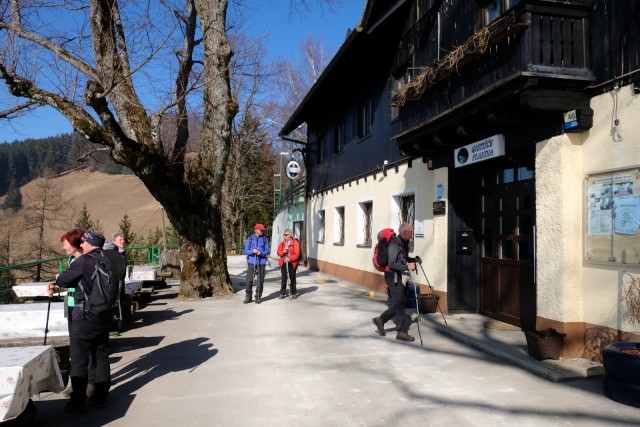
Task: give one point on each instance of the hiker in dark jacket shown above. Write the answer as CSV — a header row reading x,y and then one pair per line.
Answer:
x,y
89,335
257,250
399,261
116,254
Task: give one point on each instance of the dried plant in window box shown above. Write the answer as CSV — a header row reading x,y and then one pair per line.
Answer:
x,y
631,299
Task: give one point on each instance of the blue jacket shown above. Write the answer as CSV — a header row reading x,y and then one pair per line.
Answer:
x,y
261,243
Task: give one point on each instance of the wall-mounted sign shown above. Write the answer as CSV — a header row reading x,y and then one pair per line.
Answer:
x,y
570,120
440,207
418,229
439,192
292,169
488,148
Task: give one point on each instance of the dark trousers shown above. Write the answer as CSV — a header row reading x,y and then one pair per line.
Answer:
x,y
255,270
89,341
398,293
288,268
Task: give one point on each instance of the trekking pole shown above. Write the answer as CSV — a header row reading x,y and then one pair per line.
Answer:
x,y
289,279
415,293
434,296
121,319
46,326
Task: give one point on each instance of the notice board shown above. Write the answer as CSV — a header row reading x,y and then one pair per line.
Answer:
x,y
613,216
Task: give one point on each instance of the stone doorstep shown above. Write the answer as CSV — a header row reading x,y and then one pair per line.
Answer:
x,y
510,346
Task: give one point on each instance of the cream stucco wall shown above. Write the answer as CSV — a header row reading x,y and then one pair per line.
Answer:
x,y
569,288
382,192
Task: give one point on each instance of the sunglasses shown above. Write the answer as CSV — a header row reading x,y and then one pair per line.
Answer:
x,y
286,234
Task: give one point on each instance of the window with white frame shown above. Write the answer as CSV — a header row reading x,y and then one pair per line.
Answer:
x,y
338,226
364,223
320,220
404,210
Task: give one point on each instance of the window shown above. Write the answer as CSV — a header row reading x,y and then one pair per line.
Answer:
x,y
490,10
403,209
320,150
320,221
338,226
365,221
407,208
365,118
338,136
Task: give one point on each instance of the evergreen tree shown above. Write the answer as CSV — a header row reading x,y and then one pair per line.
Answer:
x,y
84,221
13,200
125,228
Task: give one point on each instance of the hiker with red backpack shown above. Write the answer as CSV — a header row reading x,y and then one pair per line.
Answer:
x,y
289,253
397,261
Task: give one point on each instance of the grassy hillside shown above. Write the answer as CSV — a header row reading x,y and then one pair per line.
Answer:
x,y
108,198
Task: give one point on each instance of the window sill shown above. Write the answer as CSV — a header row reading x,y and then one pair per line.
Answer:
x,y
338,243
364,245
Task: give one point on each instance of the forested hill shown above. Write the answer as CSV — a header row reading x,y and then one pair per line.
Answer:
x,y
24,161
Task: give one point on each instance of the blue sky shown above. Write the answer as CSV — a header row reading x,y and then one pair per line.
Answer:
x,y
285,32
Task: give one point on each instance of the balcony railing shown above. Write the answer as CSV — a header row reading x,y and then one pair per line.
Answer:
x,y
535,39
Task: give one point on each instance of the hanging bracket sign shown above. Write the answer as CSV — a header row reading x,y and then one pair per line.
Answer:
x,y
293,169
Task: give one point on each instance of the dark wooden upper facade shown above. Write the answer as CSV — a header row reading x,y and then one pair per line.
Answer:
x,y
511,70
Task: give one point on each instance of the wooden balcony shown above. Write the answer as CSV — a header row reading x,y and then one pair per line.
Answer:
x,y
538,54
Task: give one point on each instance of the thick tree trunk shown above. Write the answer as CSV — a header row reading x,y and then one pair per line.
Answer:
x,y
113,115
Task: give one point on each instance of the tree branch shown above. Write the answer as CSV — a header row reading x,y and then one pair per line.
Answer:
x,y
24,106
81,121
16,27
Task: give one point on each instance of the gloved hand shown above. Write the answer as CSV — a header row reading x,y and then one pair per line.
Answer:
x,y
418,259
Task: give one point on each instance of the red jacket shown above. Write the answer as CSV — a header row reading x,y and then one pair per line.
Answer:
x,y
294,251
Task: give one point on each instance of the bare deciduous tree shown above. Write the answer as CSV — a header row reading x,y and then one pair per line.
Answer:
x,y
45,210
104,65
106,79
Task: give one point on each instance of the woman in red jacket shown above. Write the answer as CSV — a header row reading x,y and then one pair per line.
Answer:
x,y
289,253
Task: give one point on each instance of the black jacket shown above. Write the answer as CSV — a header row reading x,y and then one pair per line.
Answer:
x,y
398,251
80,270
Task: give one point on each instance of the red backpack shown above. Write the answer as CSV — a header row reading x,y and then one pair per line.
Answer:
x,y
380,253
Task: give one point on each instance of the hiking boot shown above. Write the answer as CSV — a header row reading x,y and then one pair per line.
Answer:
x,y
282,296
258,300
378,322
247,299
75,408
98,403
403,336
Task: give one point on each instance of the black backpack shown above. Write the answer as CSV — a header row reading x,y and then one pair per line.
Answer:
x,y
104,292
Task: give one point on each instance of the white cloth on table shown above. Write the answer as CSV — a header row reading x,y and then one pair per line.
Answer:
x,y
24,372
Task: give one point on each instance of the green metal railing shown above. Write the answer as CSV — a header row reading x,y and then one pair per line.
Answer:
x,y
135,255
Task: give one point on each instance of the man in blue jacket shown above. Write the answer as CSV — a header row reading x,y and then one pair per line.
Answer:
x,y
257,250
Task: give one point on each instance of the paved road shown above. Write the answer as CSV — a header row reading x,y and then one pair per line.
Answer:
x,y
316,361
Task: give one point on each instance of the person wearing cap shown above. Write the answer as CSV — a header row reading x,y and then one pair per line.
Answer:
x,y
289,253
89,335
257,250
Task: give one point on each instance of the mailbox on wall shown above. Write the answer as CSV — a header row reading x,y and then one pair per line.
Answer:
x,y
464,241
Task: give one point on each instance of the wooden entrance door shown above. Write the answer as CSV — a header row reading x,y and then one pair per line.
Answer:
x,y
507,222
